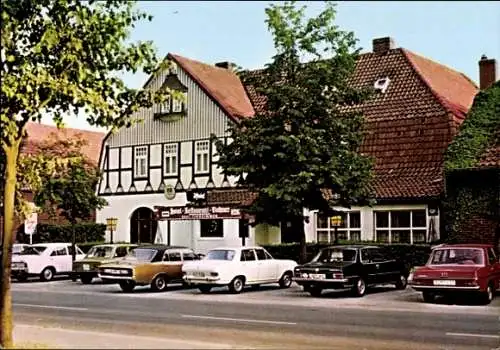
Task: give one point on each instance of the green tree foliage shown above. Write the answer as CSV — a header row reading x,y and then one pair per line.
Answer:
x,y
307,143
480,130
60,57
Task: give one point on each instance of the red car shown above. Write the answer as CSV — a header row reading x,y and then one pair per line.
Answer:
x,y
457,268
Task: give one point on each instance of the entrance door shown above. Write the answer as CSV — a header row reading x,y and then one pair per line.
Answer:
x,y
143,226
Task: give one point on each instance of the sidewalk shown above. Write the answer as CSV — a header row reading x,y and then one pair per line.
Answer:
x,y
30,337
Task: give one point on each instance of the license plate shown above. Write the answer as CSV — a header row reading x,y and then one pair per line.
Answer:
x,y
86,267
317,276
443,282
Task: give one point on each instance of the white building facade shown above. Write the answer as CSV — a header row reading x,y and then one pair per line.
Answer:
x,y
157,162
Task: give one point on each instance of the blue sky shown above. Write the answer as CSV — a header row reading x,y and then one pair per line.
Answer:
x,y
453,33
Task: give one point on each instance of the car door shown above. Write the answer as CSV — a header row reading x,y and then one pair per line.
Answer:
x,y
368,269
174,264
494,267
268,270
60,259
249,265
383,266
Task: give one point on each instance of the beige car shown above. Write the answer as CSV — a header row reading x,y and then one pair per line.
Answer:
x,y
154,265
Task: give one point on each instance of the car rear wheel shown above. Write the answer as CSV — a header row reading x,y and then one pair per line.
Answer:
x,y
127,286
402,282
315,291
159,284
237,284
286,280
86,279
428,297
359,288
47,274
205,289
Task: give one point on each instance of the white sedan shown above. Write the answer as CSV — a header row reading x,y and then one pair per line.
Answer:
x,y
44,260
236,268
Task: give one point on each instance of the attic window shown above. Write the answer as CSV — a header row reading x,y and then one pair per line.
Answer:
x,y
382,84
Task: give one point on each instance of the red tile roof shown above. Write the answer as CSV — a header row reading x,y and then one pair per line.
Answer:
x,y
37,133
223,85
410,125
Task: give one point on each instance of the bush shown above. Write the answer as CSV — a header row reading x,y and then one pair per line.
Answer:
x,y
411,254
85,232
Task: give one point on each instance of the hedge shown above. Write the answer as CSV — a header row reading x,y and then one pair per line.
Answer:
x,y
411,254
85,232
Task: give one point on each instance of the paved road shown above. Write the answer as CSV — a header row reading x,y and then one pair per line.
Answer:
x,y
383,316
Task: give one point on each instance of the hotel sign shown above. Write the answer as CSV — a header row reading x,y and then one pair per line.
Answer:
x,y
190,213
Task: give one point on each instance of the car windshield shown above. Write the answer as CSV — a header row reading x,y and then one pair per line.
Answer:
x,y
220,254
32,250
100,252
143,254
458,256
335,255
17,248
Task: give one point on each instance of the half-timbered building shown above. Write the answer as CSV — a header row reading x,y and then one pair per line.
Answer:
x,y
156,173
167,165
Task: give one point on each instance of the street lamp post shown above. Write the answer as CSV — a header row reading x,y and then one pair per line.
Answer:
x,y
111,226
336,221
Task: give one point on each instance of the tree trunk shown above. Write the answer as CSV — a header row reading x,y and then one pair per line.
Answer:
x,y
302,241
11,155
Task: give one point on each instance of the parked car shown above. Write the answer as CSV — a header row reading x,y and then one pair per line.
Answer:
x,y
86,269
237,267
18,248
44,260
353,267
458,268
154,265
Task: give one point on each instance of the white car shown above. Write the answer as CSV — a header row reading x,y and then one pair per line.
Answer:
x,y
18,248
236,268
44,260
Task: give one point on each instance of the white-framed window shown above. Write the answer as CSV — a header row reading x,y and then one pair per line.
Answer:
x,y
141,161
400,226
202,153
177,105
165,106
350,228
170,160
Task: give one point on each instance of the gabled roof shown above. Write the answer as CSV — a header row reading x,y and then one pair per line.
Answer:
x,y
221,84
410,125
38,133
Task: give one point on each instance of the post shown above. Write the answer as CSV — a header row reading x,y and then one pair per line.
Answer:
x,y
73,242
168,233
336,221
111,224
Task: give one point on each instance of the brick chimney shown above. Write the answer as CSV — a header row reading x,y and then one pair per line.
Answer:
x,y
382,45
487,72
226,65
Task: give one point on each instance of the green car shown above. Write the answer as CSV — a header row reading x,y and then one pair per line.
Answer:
x,y
86,269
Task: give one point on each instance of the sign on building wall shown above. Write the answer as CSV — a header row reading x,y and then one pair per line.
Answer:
x,y
189,213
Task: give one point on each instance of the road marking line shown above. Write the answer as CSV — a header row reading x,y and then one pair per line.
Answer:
x,y
238,319
53,307
474,335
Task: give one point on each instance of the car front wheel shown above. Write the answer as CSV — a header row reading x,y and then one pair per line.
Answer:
x,y
47,274
86,279
428,297
401,282
127,286
286,280
237,284
205,289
